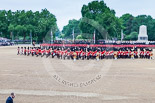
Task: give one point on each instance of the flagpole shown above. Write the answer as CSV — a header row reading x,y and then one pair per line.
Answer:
x,y
94,37
122,35
51,37
31,37
73,35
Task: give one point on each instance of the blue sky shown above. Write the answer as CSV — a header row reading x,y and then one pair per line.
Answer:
x,y
65,10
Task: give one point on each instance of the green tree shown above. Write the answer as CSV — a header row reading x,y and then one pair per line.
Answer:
x,y
79,37
3,24
11,29
127,23
21,31
22,23
68,29
97,16
131,24
132,36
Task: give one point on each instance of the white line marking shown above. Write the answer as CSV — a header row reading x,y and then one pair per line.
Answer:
x,y
60,93
48,93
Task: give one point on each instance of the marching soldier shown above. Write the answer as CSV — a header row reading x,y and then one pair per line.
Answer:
x,y
48,52
32,51
97,56
74,55
132,55
18,49
25,50
42,52
115,55
21,51
28,51
151,54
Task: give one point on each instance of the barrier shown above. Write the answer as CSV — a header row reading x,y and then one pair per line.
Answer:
x,y
91,45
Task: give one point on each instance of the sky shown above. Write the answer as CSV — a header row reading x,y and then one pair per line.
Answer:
x,y
65,10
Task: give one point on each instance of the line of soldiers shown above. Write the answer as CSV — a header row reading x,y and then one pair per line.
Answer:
x,y
86,53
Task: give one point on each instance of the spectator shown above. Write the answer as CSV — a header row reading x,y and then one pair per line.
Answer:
x,y
10,98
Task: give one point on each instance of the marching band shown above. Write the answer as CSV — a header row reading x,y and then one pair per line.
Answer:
x,y
86,53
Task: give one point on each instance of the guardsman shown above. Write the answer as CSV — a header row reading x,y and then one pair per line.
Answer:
x,y
126,54
111,54
129,53
115,55
21,51
143,54
135,54
48,52
68,53
54,52
25,50
97,55
140,54
83,54
151,54
103,54
18,50
37,52
65,54
132,55
42,52
100,56
61,54
93,54
77,53
32,51
87,54
122,53
28,51
148,54
119,54
107,54
74,55
71,54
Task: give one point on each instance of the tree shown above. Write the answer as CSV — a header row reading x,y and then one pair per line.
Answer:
x,y
144,20
68,29
97,16
132,36
3,24
23,23
21,31
79,37
127,23
11,29
62,36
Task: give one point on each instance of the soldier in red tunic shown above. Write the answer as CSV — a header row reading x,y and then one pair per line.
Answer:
x,y
25,50
18,50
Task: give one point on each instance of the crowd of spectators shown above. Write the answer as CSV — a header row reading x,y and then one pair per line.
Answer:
x,y
5,42
110,42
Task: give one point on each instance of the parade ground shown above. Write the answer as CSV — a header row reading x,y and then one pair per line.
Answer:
x,y
47,80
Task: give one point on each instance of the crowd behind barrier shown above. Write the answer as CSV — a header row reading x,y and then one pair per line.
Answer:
x,y
100,43
6,42
110,42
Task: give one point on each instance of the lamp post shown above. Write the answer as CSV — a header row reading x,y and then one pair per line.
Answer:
x,y
31,36
51,37
73,35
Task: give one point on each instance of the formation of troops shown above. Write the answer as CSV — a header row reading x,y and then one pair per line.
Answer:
x,y
86,53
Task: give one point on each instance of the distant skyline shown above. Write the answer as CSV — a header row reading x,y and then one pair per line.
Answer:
x,y
71,9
